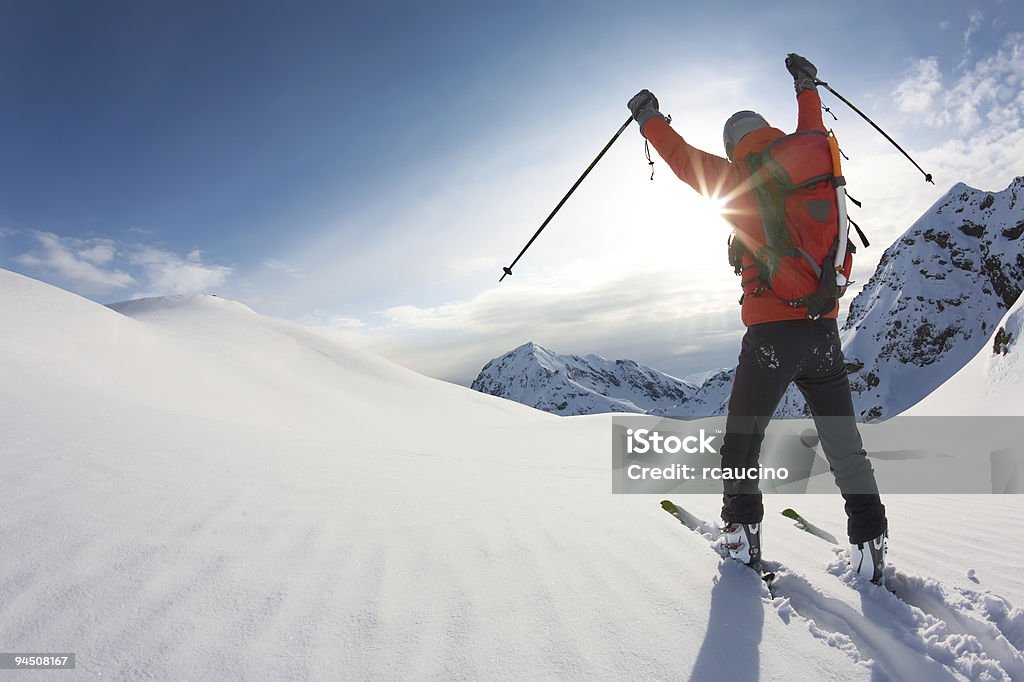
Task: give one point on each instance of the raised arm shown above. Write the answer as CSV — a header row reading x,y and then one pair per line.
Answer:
x,y
809,111
706,173
808,102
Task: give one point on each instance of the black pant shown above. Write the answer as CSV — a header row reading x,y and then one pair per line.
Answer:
x,y
809,353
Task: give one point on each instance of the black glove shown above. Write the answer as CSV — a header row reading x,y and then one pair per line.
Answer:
x,y
805,74
644,107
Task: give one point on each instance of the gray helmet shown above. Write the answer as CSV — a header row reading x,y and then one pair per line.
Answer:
x,y
738,125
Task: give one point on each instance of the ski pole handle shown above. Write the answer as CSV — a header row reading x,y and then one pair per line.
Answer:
x,y
645,101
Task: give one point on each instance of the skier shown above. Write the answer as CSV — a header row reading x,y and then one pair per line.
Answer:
x,y
784,342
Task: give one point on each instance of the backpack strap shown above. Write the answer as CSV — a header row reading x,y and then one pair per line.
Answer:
x,y
737,250
860,234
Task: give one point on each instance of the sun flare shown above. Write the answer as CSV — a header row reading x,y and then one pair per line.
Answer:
x,y
715,204
708,217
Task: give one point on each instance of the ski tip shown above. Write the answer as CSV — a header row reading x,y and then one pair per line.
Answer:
x,y
669,506
790,513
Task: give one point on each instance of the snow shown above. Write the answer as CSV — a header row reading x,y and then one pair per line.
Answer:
x,y
573,385
194,491
992,383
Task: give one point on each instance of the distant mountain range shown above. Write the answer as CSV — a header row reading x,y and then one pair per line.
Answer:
x,y
933,303
571,384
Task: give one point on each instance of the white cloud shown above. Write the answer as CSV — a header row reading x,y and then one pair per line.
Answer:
x,y
985,96
973,23
918,90
168,273
987,161
99,266
281,266
326,320
99,254
567,301
63,257
7,232
658,317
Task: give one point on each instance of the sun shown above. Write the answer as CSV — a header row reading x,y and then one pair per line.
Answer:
x,y
709,214
715,204
696,229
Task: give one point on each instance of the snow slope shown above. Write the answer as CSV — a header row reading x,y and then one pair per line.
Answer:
x,y
992,383
192,491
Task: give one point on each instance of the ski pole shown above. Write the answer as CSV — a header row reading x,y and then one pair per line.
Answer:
x,y
508,270
927,176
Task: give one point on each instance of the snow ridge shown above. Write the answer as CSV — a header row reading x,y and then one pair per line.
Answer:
x,y
571,384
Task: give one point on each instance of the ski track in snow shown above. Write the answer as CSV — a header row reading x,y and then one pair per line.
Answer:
x,y
841,625
1009,620
899,628
909,631
955,618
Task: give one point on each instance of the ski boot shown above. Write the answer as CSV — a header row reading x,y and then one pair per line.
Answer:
x,y
743,542
868,558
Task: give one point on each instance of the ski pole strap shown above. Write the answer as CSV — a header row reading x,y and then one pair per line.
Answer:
x,y
647,148
860,233
927,176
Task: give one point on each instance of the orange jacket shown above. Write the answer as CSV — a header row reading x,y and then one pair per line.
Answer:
x,y
716,177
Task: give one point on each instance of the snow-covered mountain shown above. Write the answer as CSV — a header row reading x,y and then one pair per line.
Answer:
x,y
577,385
992,383
191,490
712,399
933,302
571,384
935,298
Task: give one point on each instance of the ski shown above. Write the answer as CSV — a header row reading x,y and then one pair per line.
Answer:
x,y
805,525
713,534
808,527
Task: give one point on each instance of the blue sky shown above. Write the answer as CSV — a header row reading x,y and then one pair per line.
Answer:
x,y
368,167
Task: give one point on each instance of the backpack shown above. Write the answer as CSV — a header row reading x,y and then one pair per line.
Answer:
x,y
805,256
